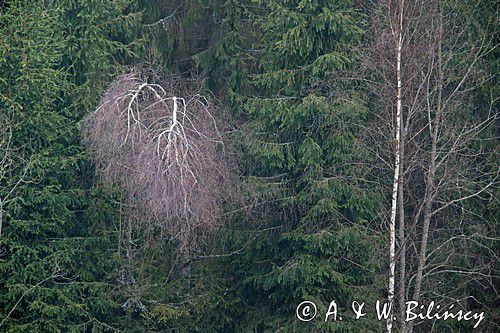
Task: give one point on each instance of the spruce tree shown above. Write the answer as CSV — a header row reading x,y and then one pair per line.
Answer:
x,y
56,58
304,164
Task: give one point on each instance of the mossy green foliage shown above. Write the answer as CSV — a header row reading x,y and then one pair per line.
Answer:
x,y
301,139
55,59
303,228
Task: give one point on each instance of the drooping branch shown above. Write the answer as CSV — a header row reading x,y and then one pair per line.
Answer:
x,y
164,150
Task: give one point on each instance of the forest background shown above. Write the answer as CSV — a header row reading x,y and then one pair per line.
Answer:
x,y
207,165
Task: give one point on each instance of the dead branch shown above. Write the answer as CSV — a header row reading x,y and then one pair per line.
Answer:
x,y
163,145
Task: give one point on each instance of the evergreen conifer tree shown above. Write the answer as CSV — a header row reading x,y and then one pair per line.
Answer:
x,y
305,165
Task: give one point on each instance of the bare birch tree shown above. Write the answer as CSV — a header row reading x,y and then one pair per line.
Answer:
x,y
398,32
162,143
427,70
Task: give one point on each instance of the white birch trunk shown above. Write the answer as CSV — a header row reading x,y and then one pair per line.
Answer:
x,y
397,162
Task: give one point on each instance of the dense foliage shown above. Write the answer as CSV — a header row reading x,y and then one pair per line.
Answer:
x,y
305,207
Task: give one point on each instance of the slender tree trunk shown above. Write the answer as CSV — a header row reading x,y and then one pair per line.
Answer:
x,y
128,277
128,240
431,173
402,244
422,256
395,183
1,217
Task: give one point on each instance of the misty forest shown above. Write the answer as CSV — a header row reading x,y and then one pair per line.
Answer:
x,y
209,166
